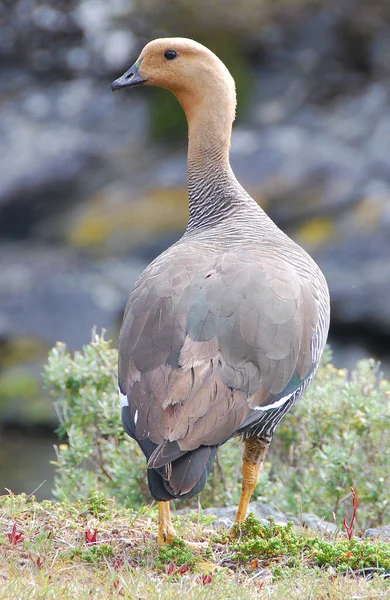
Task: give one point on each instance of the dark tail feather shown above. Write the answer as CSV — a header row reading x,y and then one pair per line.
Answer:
x,y
188,469
174,474
187,477
165,453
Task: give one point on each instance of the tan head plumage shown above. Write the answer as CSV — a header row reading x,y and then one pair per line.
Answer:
x,y
197,77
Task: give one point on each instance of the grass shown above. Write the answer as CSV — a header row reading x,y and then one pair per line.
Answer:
x,y
93,548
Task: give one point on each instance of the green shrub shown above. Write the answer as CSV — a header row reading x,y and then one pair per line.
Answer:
x,y
334,438
96,454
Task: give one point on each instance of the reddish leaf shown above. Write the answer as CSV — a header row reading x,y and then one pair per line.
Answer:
x,y
170,568
90,537
116,583
183,569
117,563
39,563
13,537
205,579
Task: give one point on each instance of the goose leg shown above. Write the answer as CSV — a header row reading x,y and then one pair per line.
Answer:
x,y
252,461
166,532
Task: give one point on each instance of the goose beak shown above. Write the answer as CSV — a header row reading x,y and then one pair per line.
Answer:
x,y
131,78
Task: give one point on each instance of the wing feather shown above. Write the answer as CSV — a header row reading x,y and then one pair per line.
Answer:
x,y
210,338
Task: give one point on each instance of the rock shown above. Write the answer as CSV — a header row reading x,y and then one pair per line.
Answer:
x,y
59,295
224,516
380,533
316,523
223,523
358,273
68,38
56,148
262,512
60,124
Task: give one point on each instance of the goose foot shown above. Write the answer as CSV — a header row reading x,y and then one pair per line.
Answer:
x,y
166,531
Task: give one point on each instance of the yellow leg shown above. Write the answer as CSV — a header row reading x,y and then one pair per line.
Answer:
x,y
252,461
250,476
166,532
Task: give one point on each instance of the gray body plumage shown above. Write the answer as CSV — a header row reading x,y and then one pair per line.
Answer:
x,y
221,335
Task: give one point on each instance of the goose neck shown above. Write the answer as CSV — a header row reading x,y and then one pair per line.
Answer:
x,y
212,186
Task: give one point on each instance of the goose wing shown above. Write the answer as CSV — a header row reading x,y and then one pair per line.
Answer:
x,y
207,340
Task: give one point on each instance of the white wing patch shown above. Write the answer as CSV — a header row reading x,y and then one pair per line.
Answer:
x,y
276,404
122,398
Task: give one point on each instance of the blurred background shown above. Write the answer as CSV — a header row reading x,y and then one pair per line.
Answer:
x,y
93,184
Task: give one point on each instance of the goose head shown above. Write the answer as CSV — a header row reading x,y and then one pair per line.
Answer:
x,y
194,74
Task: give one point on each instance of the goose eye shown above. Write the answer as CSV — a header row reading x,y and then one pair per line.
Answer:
x,y
170,54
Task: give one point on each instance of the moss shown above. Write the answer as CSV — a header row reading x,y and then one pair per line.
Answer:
x,y
176,552
316,231
19,350
17,384
99,506
102,227
167,119
271,542
22,398
91,554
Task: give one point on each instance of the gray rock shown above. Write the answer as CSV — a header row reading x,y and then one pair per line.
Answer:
x,y
358,273
56,149
224,516
223,523
381,533
68,38
316,523
58,295
224,512
262,512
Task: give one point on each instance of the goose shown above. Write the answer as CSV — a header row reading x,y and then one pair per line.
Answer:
x,y
223,331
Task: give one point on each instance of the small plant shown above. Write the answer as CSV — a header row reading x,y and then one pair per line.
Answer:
x,y
355,504
14,537
98,505
272,543
332,440
176,554
92,553
91,537
205,579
